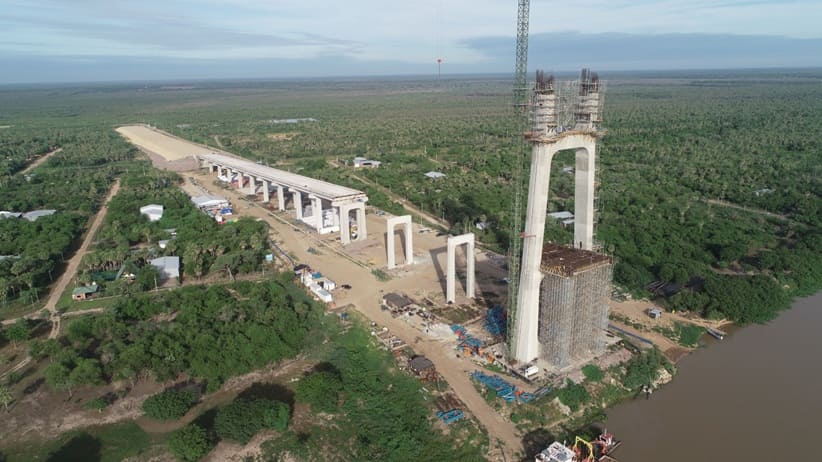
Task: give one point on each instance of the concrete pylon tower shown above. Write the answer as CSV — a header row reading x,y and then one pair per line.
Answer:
x,y
581,113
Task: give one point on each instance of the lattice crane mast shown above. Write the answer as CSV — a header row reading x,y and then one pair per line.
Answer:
x,y
520,154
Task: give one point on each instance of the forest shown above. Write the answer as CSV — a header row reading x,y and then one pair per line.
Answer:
x,y
208,333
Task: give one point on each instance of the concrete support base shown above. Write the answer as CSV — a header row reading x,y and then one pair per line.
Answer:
x,y
391,223
281,197
451,272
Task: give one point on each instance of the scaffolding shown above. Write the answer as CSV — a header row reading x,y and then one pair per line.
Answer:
x,y
573,304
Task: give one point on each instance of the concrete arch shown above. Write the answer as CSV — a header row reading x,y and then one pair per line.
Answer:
x,y
392,223
451,272
526,347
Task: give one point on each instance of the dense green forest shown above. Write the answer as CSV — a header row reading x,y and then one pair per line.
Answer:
x,y
210,334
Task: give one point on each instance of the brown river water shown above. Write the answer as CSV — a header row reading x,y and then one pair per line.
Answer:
x,y
755,396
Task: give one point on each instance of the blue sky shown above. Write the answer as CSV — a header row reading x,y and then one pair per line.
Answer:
x,y
85,40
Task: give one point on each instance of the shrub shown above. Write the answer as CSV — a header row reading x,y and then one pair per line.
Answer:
x,y
190,443
169,404
643,368
573,395
593,373
320,390
242,419
97,404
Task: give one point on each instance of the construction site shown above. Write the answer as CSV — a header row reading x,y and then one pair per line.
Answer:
x,y
437,302
518,328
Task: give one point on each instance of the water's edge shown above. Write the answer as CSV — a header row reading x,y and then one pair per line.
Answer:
x,y
756,392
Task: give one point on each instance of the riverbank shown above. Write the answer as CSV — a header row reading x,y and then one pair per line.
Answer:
x,y
760,386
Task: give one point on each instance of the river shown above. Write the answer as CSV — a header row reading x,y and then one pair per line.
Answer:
x,y
756,396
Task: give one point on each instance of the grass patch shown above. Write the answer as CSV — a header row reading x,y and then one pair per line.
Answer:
x,y
688,334
380,275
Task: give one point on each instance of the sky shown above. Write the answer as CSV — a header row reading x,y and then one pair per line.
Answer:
x,y
107,40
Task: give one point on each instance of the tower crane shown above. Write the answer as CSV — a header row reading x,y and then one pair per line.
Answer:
x,y
520,152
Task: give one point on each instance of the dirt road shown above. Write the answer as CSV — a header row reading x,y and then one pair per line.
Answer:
x,y
40,161
74,263
746,209
365,294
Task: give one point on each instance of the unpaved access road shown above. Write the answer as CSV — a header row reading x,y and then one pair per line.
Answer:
x,y
40,160
74,263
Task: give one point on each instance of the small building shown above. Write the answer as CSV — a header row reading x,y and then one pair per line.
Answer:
x,y
153,211
655,313
209,202
326,283
568,222
35,214
83,292
422,367
556,452
169,267
763,191
482,225
320,293
559,216
163,243
567,169
360,162
435,175
396,301
7,214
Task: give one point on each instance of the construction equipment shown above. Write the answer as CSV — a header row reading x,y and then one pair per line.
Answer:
x,y
520,151
449,417
579,444
503,388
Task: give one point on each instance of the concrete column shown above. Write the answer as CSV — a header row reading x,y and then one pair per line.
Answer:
x,y
391,224
252,185
317,212
526,347
231,173
584,196
266,186
345,224
298,204
470,277
451,266
281,196
361,228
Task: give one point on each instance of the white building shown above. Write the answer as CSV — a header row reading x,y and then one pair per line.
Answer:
x,y
169,267
435,175
559,216
367,163
35,214
209,201
153,211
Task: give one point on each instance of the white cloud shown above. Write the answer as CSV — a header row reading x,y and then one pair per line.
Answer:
x,y
415,31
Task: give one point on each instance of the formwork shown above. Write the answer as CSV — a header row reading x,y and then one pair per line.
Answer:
x,y
573,307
